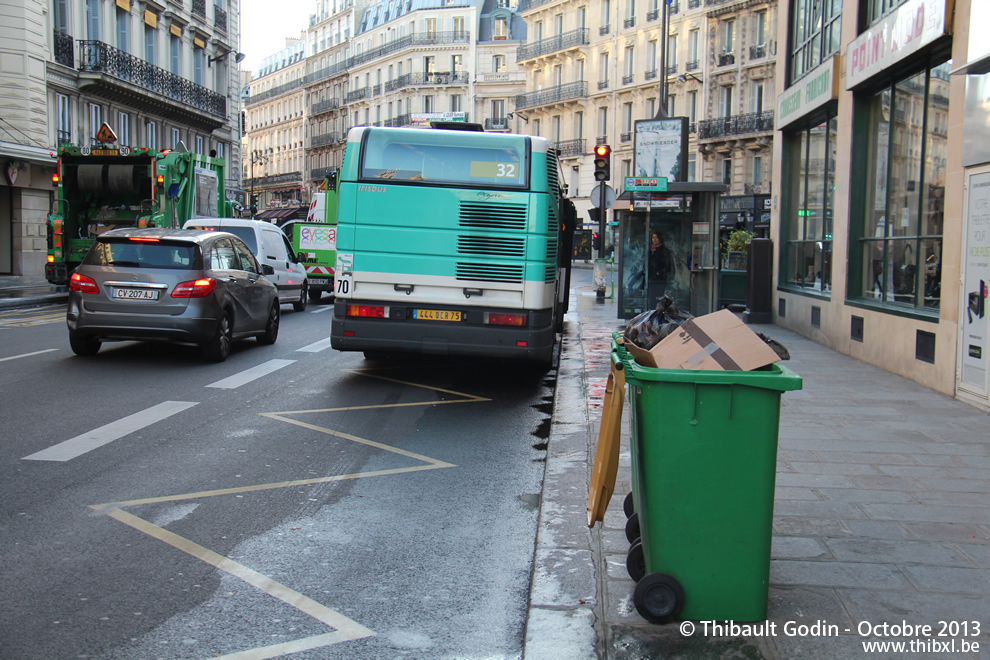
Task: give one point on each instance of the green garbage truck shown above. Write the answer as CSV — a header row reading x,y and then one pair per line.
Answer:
x,y
314,240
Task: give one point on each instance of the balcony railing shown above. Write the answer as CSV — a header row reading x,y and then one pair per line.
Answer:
x,y
63,49
650,75
199,8
401,120
674,8
725,59
98,57
274,91
568,148
602,84
691,66
325,106
652,15
376,90
323,139
553,44
757,52
427,79
754,122
529,4
627,80
694,4
629,22
219,18
497,124
672,69
356,95
625,137
574,90
755,188
603,30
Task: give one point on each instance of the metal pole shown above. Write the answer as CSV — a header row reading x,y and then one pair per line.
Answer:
x,y
663,58
601,220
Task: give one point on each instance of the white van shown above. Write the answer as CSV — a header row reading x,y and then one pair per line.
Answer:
x,y
270,245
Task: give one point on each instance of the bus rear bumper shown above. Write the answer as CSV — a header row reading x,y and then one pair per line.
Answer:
x,y
356,334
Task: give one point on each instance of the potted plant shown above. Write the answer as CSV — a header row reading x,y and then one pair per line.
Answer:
x,y
738,249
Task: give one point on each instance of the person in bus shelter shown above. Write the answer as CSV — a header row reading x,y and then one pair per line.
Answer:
x,y
660,265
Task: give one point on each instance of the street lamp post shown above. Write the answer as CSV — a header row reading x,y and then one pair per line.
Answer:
x,y
256,157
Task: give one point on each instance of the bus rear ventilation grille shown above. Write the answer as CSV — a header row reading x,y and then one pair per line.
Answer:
x,y
489,272
493,216
491,246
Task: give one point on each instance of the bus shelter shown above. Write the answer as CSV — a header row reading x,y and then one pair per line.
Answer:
x,y
667,244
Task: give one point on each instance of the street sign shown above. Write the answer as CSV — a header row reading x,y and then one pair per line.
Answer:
x,y
106,134
646,184
596,196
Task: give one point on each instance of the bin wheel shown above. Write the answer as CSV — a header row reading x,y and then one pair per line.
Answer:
x,y
636,561
628,506
632,528
658,598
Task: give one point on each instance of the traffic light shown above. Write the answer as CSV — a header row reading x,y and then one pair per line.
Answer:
x,y
254,205
603,162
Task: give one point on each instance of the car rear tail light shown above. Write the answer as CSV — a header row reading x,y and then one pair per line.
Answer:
x,y
195,288
371,311
492,318
83,284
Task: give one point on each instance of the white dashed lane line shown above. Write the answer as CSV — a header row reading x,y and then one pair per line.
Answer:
x,y
79,445
251,374
47,350
316,347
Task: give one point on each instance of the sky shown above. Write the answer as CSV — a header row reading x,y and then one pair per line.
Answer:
x,y
266,24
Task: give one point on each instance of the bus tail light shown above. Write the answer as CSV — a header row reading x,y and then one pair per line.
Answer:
x,y
493,318
83,284
195,288
367,311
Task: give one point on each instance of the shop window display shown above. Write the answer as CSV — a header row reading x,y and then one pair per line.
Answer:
x,y
900,248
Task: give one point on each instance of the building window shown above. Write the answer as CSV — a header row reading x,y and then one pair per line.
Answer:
x,y
150,43
220,150
429,103
902,222
175,49
498,64
95,121
459,31
672,105
806,217
760,36
692,164
693,36
176,137
198,66
728,36
815,34
501,28
151,134
123,128
498,111
756,97
431,28
578,125
877,9
603,71
64,119
725,101
727,171
199,144
757,173
627,119
671,54
455,103
123,21
603,123
93,19
692,107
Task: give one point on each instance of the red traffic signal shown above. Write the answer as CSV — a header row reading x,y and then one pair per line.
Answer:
x,y
603,166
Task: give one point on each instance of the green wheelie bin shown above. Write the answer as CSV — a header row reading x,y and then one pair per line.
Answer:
x,y
704,463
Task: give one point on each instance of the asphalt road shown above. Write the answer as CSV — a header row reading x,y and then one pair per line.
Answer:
x,y
291,500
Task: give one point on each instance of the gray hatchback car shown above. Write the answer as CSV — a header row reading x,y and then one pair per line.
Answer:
x,y
200,287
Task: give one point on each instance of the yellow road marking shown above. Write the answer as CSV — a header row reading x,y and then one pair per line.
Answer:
x,y
345,628
21,321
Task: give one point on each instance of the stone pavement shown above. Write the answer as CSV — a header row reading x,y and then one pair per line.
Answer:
x,y
882,512
882,515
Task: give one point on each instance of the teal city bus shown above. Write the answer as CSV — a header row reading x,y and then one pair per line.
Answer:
x,y
450,242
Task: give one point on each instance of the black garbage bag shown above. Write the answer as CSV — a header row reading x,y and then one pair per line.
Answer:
x,y
650,327
777,347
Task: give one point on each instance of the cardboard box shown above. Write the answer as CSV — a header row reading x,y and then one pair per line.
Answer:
x,y
719,342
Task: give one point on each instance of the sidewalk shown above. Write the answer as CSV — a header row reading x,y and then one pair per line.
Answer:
x,y
21,291
882,515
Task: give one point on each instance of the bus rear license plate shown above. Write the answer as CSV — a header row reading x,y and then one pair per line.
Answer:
x,y
436,315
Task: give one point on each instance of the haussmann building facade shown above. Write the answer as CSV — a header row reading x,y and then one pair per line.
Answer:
x,y
880,221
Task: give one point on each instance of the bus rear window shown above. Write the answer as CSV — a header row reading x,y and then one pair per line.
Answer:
x,y
460,159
